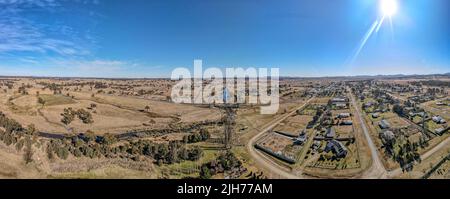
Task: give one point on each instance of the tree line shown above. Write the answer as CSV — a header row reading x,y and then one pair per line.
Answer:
x,y
95,146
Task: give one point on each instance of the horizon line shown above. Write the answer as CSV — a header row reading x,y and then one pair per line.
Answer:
x,y
281,77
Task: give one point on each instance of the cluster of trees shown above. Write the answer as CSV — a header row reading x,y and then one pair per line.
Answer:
x,y
407,154
437,83
145,92
93,146
41,100
69,114
8,83
88,145
56,88
21,138
195,137
99,85
398,109
172,152
327,119
84,116
22,90
256,176
225,162
319,112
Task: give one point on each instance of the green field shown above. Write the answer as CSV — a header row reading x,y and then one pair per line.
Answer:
x,y
52,100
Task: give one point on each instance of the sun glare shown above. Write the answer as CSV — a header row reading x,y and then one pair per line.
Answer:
x,y
388,7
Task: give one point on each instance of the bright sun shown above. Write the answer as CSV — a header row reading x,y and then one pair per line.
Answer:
x,y
388,7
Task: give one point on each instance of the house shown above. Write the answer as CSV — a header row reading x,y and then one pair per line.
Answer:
x,y
316,144
330,133
409,108
301,138
387,136
339,102
346,122
421,114
339,99
384,124
368,104
337,148
440,103
340,105
439,130
343,115
438,119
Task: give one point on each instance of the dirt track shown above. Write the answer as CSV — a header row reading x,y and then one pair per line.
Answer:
x,y
266,162
377,169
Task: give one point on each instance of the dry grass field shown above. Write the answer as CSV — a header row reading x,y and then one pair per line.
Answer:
x,y
146,126
113,113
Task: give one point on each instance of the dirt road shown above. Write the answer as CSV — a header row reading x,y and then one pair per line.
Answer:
x,y
377,169
424,156
264,161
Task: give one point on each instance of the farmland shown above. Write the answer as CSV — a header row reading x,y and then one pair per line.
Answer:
x,y
113,128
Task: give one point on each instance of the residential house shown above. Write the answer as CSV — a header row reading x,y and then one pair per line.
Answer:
x,y
330,133
384,124
346,122
337,148
438,119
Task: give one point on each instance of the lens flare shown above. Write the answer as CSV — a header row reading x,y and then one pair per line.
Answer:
x,y
388,7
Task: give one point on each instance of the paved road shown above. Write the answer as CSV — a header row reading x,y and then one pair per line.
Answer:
x,y
261,159
377,169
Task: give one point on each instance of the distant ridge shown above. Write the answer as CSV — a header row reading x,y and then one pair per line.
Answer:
x,y
373,76
281,77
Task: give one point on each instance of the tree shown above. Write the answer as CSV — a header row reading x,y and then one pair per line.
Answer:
x,y
398,109
93,106
108,139
62,152
147,108
68,116
204,134
85,116
186,139
28,153
31,130
195,153
205,172
90,136
41,101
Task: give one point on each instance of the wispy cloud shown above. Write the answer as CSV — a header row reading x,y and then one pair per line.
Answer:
x,y
19,33
96,65
52,47
29,3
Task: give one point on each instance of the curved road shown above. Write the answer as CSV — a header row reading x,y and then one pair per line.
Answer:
x,y
263,160
424,156
376,170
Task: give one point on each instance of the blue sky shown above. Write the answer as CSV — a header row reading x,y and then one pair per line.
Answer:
x,y
149,38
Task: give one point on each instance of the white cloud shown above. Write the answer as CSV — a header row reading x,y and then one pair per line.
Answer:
x,y
94,66
19,33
